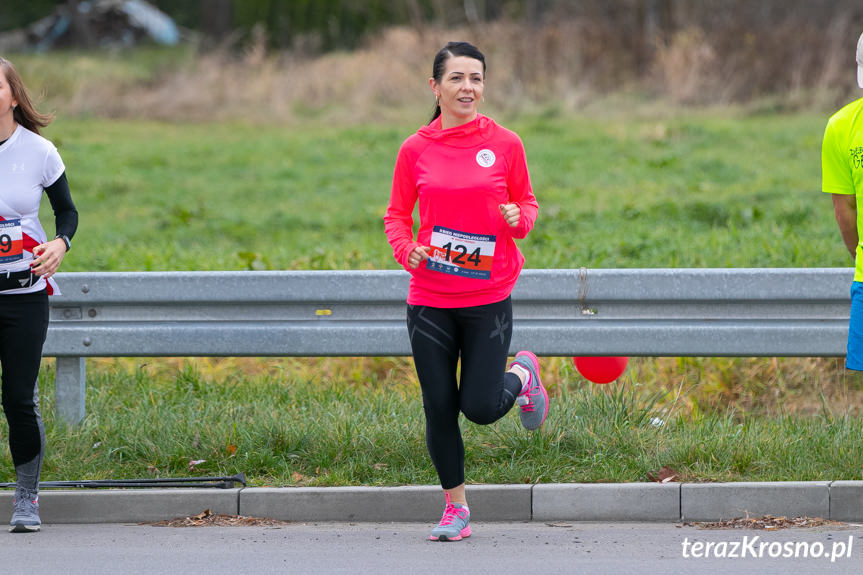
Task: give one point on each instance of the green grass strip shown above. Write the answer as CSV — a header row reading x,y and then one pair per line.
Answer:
x,y
285,430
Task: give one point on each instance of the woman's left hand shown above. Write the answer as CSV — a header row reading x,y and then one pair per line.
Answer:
x,y
511,213
47,258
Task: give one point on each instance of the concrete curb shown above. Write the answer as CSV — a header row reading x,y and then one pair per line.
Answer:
x,y
607,502
717,501
846,500
672,502
125,505
412,503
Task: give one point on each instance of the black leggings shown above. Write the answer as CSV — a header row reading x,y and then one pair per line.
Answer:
x,y
23,327
481,336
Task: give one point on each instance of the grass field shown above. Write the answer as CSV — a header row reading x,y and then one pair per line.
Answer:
x,y
701,189
618,188
298,422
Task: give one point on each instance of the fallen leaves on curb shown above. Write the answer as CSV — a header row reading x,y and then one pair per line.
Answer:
x,y
209,519
664,475
768,523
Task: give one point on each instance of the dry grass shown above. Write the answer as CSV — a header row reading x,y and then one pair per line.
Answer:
x,y
771,386
802,64
563,66
693,386
257,86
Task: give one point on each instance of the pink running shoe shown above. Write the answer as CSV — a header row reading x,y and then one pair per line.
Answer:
x,y
455,523
534,399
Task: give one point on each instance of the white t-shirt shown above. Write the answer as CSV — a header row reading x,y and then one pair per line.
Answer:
x,y
28,164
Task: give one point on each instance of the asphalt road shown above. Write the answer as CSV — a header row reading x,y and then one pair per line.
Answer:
x,y
367,548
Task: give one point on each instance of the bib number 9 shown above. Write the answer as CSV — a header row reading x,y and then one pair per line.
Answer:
x,y
11,241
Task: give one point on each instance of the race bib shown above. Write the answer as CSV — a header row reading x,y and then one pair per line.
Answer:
x,y
11,241
461,253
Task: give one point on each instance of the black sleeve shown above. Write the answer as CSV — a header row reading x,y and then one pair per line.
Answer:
x,y
65,214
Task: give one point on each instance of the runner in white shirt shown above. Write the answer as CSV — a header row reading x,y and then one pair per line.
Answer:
x,y
29,165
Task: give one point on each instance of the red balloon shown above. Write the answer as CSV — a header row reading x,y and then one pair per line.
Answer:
x,y
600,369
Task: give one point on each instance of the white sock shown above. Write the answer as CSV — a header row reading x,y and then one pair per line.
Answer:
x,y
526,385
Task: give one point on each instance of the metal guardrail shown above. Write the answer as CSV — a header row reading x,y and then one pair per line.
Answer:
x,y
635,312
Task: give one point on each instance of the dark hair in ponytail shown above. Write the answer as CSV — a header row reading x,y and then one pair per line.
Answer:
x,y
447,52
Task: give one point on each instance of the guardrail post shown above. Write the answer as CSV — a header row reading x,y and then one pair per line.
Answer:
x,y
69,389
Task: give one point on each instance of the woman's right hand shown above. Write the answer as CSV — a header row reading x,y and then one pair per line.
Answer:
x,y
417,256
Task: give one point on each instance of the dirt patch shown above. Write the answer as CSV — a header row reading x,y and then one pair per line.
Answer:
x,y
767,523
209,519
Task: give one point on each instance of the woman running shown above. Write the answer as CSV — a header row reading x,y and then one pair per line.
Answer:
x,y
29,165
470,177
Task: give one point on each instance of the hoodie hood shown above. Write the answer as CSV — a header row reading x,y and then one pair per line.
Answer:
x,y
479,130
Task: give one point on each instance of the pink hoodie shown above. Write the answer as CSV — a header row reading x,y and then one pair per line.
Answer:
x,y
460,176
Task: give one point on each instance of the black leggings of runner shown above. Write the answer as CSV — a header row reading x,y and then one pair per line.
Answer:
x,y
23,327
481,336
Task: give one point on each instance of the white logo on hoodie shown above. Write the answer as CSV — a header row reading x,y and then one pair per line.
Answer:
x,y
485,158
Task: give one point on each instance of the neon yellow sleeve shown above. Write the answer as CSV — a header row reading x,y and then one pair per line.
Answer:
x,y
836,177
